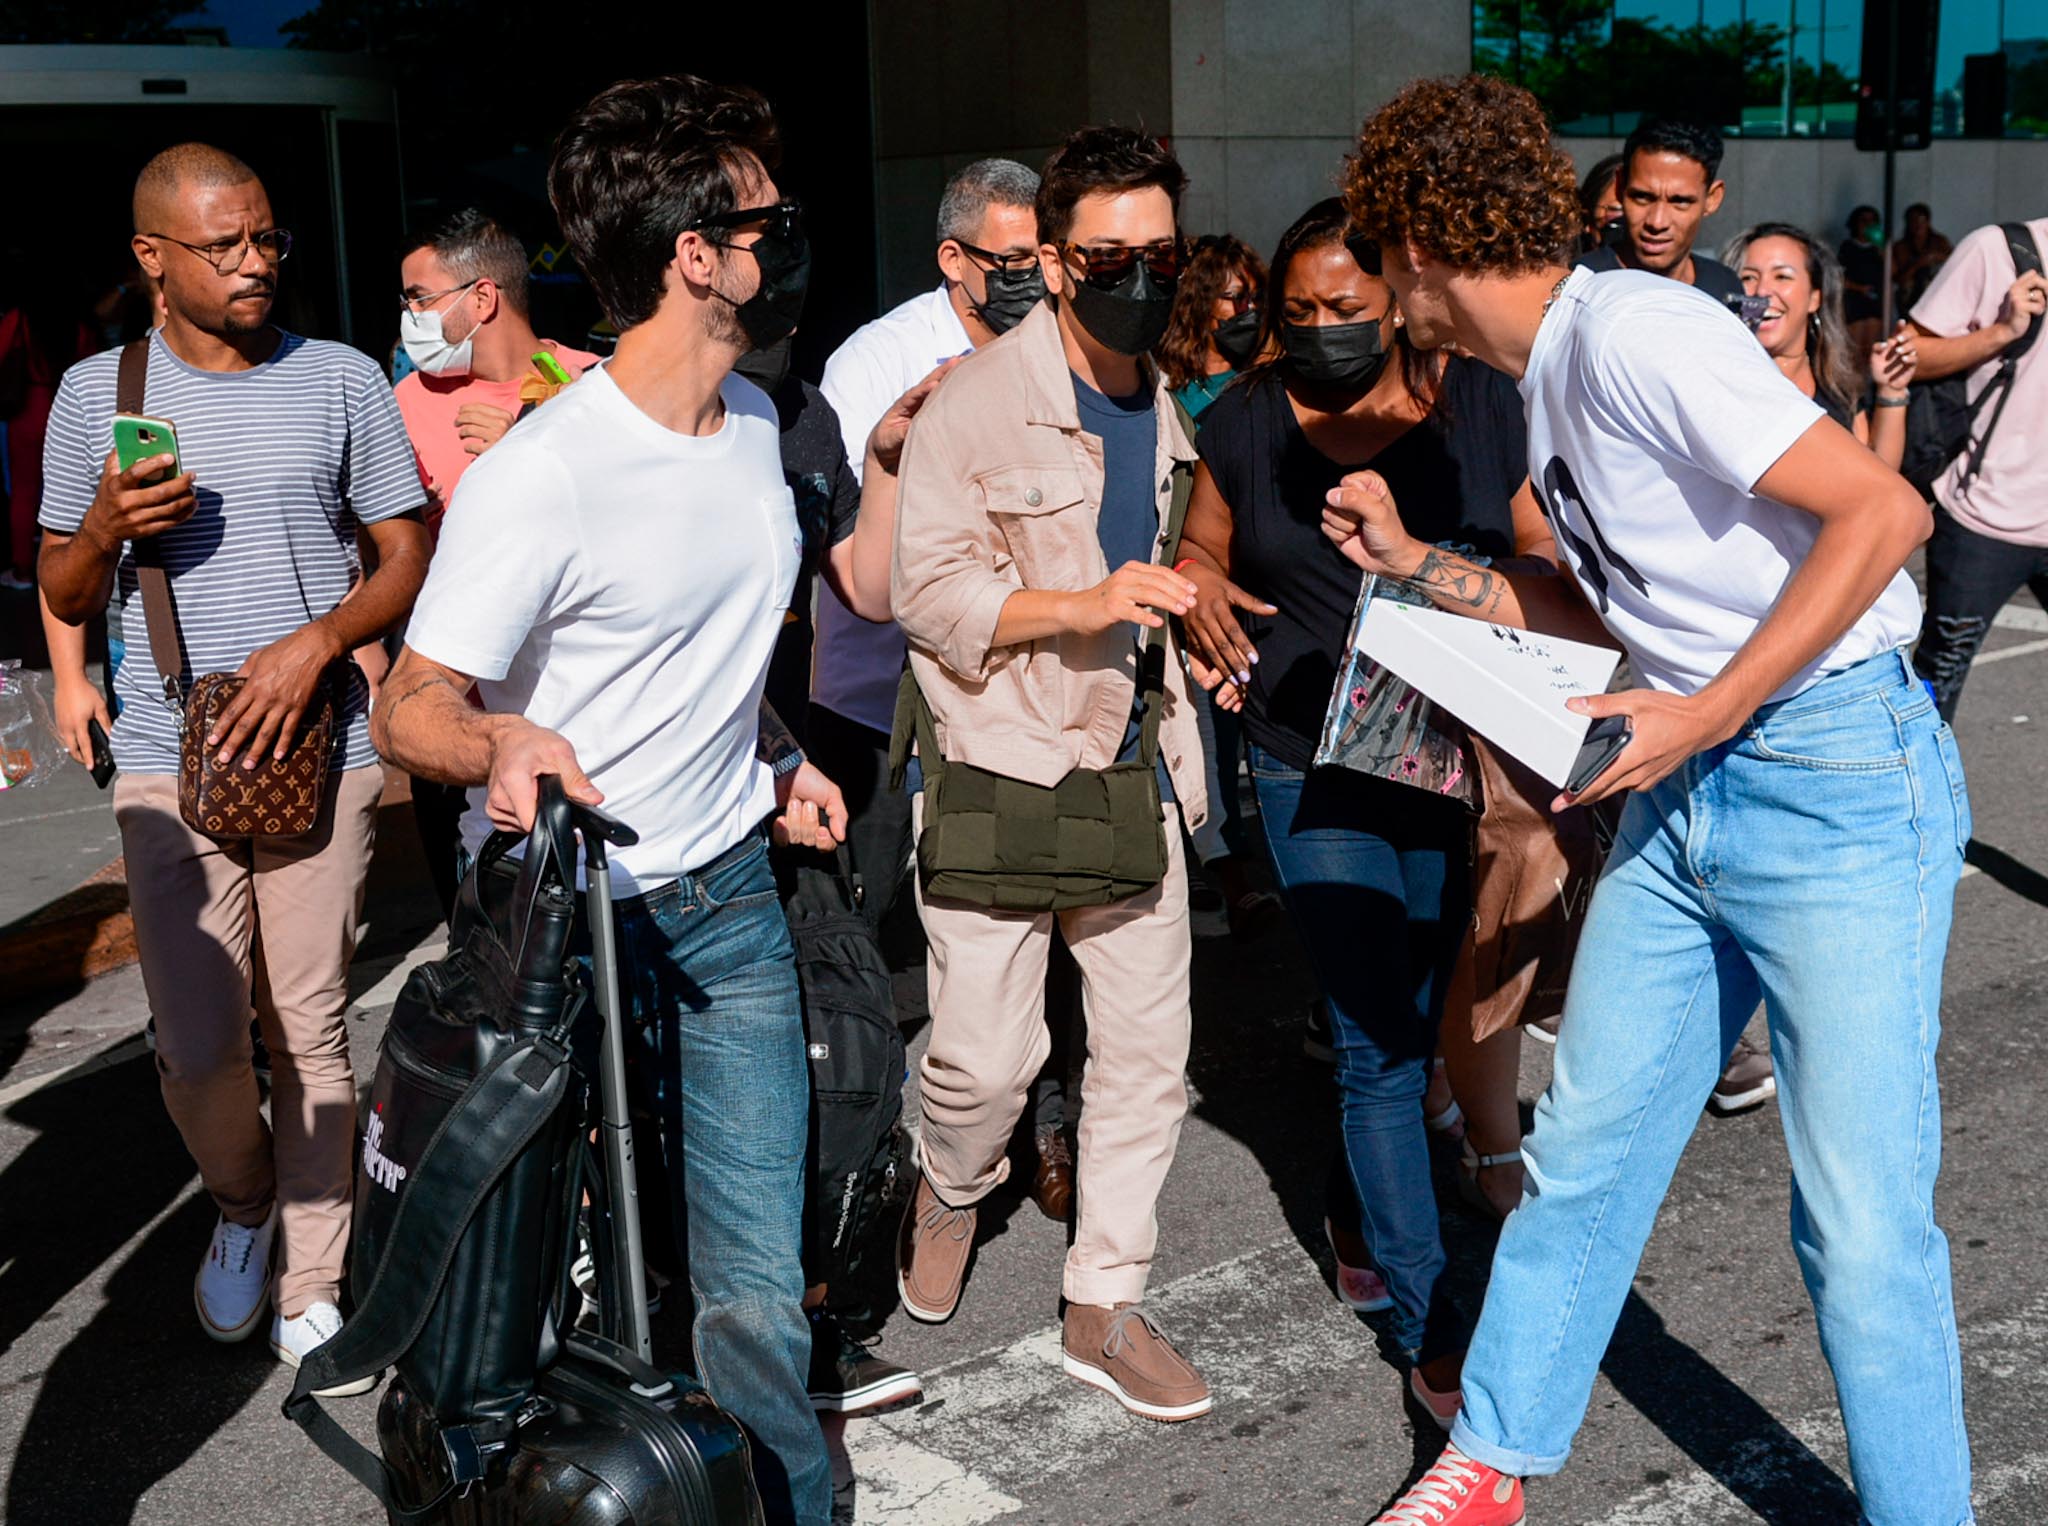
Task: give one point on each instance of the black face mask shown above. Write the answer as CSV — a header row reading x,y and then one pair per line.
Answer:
x,y
1237,339
1129,317
771,313
1344,356
767,367
1011,296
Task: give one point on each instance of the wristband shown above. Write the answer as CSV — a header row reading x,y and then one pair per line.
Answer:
x,y
1893,402
788,763
1186,561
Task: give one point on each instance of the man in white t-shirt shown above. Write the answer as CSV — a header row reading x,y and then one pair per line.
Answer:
x,y
1795,831
611,577
988,254
1991,530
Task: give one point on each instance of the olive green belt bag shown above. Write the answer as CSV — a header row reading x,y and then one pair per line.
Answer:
x,y
1096,836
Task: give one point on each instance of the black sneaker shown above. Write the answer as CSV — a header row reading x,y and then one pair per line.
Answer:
x,y
583,1273
849,1379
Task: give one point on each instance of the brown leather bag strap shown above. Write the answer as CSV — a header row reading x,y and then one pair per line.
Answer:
x,y
165,644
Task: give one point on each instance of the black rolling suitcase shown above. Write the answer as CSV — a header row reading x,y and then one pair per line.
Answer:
x,y
495,1416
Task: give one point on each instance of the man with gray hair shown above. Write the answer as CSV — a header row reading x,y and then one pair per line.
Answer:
x,y
988,254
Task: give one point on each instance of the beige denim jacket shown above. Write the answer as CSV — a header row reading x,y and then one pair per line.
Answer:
x,y
999,490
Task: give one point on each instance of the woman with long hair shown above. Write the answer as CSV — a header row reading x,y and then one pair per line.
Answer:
x,y
1806,334
1214,331
1374,872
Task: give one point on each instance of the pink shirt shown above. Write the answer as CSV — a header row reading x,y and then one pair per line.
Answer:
x,y
429,405
2008,499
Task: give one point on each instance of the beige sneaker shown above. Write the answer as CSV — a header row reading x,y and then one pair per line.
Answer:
x,y
1120,1351
932,1249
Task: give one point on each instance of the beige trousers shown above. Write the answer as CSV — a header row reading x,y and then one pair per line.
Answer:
x,y
987,977
224,928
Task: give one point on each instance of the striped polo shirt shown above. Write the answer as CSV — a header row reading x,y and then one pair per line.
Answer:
x,y
289,457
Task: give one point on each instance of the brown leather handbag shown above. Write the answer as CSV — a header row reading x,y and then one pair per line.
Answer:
x,y
280,797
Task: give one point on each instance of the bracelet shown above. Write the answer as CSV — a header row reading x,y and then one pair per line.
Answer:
x,y
1893,402
788,763
1186,561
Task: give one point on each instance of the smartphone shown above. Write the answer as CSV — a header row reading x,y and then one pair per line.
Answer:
x,y
1605,739
137,437
102,754
1751,310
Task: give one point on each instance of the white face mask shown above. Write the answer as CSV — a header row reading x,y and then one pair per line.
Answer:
x,y
428,348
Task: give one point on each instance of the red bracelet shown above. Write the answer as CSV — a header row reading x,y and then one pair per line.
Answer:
x,y
1186,561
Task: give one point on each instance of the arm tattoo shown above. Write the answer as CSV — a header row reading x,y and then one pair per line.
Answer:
x,y
391,706
1447,579
775,742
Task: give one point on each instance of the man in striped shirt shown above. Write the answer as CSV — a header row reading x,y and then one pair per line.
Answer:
x,y
285,447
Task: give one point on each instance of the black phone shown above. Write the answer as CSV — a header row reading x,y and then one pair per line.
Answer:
x,y
1605,739
1751,310
102,754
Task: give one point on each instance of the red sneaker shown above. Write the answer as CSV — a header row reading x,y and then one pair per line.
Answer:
x,y
1457,1491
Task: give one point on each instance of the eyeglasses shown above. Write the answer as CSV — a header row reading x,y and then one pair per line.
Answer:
x,y
1107,264
1001,264
1244,299
784,220
225,255
427,299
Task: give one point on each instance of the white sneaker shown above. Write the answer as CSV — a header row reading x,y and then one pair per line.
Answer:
x,y
233,1285
295,1339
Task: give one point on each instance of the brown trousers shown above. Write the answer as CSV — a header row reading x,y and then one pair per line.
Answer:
x,y
224,928
989,1041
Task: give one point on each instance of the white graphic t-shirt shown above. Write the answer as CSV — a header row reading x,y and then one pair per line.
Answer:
x,y
1652,413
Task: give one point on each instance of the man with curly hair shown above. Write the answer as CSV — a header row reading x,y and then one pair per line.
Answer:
x,y
1796,824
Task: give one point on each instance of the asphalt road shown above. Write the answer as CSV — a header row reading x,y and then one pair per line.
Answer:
x,y
1714,1407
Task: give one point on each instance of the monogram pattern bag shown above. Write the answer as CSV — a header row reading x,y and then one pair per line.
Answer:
x,y
280,797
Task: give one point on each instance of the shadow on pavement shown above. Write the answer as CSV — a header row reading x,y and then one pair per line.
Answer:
x,y
124,1403
1721,1428
2021,879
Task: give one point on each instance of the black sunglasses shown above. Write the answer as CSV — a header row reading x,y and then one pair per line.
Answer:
x,y
1365,251
785,219
1106,265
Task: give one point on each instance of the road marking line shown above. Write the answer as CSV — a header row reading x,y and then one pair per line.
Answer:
x,y
2018,617
76,810
2024,649
1996,1348
1023,1422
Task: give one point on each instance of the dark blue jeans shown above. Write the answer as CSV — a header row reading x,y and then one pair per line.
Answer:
x,y
1376,876
708,981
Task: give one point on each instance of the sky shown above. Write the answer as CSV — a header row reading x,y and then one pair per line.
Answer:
x,y
249,23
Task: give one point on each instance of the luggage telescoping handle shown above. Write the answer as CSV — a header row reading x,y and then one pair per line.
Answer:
x,y
627,1254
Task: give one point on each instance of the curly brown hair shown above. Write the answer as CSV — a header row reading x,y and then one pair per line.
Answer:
x,y
1183,351
1467,170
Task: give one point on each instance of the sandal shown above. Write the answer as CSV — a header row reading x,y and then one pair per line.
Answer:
x,y
1470,1192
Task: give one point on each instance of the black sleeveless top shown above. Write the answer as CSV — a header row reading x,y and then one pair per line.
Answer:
x,y
1453,476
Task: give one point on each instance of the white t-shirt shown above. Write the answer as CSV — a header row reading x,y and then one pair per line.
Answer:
x,y
1652,413
859,662
622,584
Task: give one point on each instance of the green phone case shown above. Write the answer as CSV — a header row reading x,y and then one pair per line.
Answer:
x,y
138,437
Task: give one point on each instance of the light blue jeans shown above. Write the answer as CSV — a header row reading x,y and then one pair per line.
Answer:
x,y
1813,861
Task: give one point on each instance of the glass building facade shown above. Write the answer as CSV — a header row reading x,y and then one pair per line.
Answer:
x,y
1755,68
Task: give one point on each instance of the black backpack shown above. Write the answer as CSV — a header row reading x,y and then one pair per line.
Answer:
x,y
858,1156
1942,414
